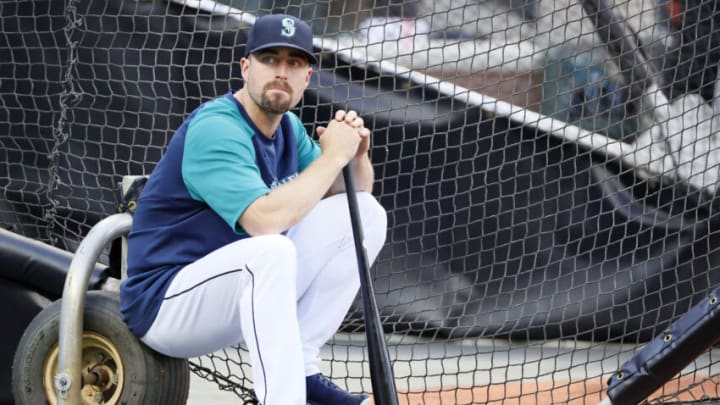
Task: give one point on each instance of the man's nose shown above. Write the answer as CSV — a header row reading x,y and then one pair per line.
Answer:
x,y
281,70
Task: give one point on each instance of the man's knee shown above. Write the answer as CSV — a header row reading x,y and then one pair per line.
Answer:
x,y
275,256
374,217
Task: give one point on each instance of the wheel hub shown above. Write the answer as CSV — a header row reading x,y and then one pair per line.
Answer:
x,y
102,371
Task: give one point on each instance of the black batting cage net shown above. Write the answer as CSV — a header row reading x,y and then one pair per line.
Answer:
x,y
550,170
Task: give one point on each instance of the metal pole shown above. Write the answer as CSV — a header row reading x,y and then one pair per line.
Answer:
x,y
68,378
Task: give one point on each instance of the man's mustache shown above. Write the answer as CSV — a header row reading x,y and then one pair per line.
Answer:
x,y
279,85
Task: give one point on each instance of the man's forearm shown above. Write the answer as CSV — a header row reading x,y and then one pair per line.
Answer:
x,y
363,176
284,206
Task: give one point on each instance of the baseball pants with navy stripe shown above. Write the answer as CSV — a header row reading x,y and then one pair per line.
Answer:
x,y
282,296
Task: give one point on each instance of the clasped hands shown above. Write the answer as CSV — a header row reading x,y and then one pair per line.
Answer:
x,y
345,135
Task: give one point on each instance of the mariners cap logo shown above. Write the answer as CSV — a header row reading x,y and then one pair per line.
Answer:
x,y
288,27
280,30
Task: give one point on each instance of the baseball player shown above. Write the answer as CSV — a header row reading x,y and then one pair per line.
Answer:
x,y
242,232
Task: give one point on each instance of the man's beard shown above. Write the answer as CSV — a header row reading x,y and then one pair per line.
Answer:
x,y
274,105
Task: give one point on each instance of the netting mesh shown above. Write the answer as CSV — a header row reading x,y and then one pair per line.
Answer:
x,y
550,191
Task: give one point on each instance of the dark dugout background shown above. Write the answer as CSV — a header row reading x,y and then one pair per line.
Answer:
x,y
495,229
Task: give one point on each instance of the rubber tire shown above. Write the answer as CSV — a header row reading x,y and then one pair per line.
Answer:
x,y
149,377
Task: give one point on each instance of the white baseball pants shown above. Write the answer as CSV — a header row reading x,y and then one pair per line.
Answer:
x,y
283,296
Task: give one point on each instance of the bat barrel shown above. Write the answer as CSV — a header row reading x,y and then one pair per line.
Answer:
x,y
381,374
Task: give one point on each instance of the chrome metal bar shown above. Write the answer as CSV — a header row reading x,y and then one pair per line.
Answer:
x,y
68,380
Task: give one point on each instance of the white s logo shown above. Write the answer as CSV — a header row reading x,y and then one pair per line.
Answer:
x,y
288,29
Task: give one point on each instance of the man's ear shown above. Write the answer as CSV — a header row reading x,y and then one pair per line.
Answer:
x,y
244,66
309,75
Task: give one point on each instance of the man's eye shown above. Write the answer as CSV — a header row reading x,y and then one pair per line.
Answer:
x,y
267,60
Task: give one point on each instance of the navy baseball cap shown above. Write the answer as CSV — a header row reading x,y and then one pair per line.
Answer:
x,y
280,30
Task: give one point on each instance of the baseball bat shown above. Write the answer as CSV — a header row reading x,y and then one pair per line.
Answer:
x,y
622,43
381,374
